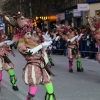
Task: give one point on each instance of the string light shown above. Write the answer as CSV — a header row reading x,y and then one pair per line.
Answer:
x,y
46,17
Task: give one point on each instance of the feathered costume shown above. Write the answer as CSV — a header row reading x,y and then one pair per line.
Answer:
x,y
36,70
72,46
5,62
95,29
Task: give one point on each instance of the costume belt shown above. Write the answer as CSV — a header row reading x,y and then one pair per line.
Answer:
x,y
39,65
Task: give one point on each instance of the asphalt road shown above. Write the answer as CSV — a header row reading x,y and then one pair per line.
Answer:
x,y
67,86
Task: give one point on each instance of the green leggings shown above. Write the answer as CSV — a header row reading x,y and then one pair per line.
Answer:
x,y
50,59
50,91
12,77
78,62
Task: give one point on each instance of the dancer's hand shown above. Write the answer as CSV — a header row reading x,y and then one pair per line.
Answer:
x,y
46,37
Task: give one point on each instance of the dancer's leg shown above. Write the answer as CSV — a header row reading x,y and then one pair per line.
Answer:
x,y
70,64
50,60
49,91
79,69
0,77
12,79
32,92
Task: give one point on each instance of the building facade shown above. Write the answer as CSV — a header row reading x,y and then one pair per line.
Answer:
x,y
73,16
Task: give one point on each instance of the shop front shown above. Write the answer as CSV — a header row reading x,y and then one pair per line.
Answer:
x,y
77,18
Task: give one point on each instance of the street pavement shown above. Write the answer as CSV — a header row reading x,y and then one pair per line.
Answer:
x,y
67,86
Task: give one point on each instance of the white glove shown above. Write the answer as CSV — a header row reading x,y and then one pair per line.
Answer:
x,y
9,42
46,37
2,43
50,42
79,37
73,39
34,50
46,44
76,36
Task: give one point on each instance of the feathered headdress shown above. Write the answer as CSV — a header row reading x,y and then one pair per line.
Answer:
x,y
22,25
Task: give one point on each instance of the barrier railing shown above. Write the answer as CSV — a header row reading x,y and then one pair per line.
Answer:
x,y
83,48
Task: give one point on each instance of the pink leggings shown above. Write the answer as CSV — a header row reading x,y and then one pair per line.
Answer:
x,y
32,91
70,63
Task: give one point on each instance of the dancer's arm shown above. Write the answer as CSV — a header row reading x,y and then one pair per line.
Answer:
x,y
79,37
8,49
9,42
2,43
73,39
36,49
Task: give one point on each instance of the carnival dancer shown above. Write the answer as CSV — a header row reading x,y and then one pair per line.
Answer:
x,y
95,29
72,51
36,70
5,63
68,34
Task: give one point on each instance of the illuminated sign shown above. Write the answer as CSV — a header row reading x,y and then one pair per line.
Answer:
x,y
77,13
83,7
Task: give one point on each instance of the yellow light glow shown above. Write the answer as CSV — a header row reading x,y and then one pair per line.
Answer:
x,y
52,17
36,17
19,12
42,17
46,17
